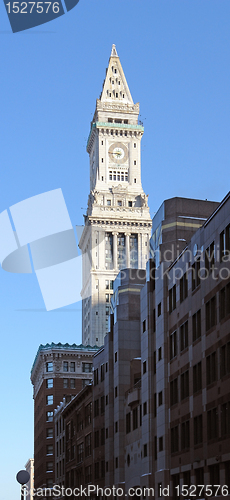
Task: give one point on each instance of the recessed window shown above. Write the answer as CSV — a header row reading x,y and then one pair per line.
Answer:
x,y
145,408
49,399
134,162
72,383
130,203
49,383
161,443
119,203
87,367
107,297
49,416
102,178
160,398
116,94
115,357
72,366
49,467
102,160
159,309
102,143
49,449
49,366
115,392
145,450
134,145
159,353
65,383
109,203
49,432
144,367
65,366
135,181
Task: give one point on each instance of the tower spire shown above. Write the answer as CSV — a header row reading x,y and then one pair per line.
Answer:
x,y
114,51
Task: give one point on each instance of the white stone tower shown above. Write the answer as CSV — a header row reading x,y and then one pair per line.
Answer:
x,y
117,224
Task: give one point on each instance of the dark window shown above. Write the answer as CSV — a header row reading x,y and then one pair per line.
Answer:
x,y
96,408
96,439
65,366
144,326
198,430
197,378
184,381
173,345
185,435
135,418
95,376
102,372
184,336
116,427
144,367
212,424
210,258
160,398
173,392
161,443
159,309
72,366
199,476
225,360
196,325
115,392
159,354
88,445
211,374
88,414
183,287
174,439
102,436
214,474
145,408
210,309
102,405
145,450
196,274
154,361
128,423
225,419
172,299
96,470
80,453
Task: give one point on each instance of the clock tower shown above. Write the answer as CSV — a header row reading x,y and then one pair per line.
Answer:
x,y
117,224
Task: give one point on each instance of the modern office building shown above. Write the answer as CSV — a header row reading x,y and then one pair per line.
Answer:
x,y
117,223
59,371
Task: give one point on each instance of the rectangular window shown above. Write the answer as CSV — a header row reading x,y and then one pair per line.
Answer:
x,y
115,392
173,392
80,453
160,398
184,380
185,435
88,414
49,399
210,309
49,366
198,430
225,360
211,372
159,309
144,367
214,474
72,366
174,439
135,418
96,439
102,372
49,431
49,383
102,405
72,383
88,445
49,449
225,419
173,345
183,287
196,326
172,299
65,383
184,336
96,408
87,367
145,450
197,378
49,416
49,466
65,366
95,376
128,423
212,424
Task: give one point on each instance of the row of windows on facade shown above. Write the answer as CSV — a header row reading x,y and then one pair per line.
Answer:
x,y
84,475
70,366
213,424
119,202
202,477
118,176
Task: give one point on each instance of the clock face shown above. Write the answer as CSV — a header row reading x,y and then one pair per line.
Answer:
x,y
118,153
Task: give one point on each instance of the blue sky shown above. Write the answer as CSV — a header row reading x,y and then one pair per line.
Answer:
x,y
175,55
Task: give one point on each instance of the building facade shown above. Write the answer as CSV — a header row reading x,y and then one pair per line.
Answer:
x,y
117,223
29,466
59,371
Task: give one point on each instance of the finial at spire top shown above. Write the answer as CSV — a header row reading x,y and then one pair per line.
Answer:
x,y
114,51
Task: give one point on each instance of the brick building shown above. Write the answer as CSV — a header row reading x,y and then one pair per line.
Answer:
x,y
59,371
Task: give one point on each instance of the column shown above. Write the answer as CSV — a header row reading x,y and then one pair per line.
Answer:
x,y
139,236
114,250
127,248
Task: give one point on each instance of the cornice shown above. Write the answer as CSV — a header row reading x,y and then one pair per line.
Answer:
x,y
107,125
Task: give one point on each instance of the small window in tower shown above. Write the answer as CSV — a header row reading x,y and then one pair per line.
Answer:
x,y
114,177
130,203
110,94
118,177
122,177
134,145
125,133
109,203
119,203
110,120
123,96
113,82
116,94
102,143
111,132
126,177
135,180
102,178
102,160
119,83
118,121
115,70
126,121
121,132
116,132
110,177
134,162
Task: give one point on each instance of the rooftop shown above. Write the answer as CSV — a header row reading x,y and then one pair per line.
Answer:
x,y
75,347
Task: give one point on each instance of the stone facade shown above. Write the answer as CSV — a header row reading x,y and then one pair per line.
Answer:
x,y
117,223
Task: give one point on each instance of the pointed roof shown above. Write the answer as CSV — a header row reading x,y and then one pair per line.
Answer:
x,y
115,87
